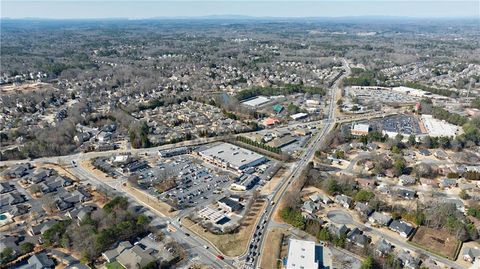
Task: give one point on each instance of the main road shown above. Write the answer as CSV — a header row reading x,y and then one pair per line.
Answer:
x,y
298,167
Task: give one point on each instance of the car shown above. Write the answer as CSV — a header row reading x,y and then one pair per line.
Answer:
x,y
205,246
187,234
220,257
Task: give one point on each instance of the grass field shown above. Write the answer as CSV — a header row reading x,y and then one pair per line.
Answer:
x,y
231,244
437,241
273,249
114,265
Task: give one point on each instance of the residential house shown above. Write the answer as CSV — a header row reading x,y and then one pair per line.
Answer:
x,y
405,180
39,261
406,193
471,254
19,170
440,154
383,248
457,202
318,197
363,209
135,257
112,254
12,242
63,204
309,207
448,183
39,176
401,227
372,146
408,261
380,219
355,236
41,228
344,200
6,187
337,230
18,210
366,182
12,198
425,152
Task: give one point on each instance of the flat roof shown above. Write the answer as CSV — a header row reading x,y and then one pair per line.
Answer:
x,y
259,100
301,254
437,127
361,127
234,155
298,116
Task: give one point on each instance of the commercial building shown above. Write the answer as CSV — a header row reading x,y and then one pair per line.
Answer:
x,y
435,127
299,116
229,205
173,152
360,129
307,255
229,156
257,101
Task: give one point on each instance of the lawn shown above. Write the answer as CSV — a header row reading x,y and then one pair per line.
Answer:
x,y
437,241
272,249
114,265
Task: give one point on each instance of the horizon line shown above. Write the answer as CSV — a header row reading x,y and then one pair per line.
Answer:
x,y
239,16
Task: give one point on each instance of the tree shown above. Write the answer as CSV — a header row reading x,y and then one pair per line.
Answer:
x,y
464,195
399,165
364,196
6,255
324,235
26,247
368,263
412,141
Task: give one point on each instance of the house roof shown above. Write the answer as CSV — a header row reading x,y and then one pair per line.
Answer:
x,y
39,261
471,252
381,218
401,227
135,257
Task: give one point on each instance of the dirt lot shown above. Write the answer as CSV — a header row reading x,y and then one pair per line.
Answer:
x,y
272,184
26,87
437,241
231,244
273,249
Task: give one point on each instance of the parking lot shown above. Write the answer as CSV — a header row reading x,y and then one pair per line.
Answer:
x,y
187,182
401,124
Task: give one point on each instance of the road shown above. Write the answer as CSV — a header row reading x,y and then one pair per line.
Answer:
x,y
342,216
194,244
298,167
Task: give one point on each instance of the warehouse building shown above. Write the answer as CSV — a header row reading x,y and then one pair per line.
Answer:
x,y
232,157
306,254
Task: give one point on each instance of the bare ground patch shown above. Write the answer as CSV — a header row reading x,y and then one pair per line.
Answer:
x,y
272,250
437,241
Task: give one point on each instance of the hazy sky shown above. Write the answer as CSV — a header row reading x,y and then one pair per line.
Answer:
x,y
269,8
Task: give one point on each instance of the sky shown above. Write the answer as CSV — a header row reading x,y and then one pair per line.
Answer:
x,y
83,9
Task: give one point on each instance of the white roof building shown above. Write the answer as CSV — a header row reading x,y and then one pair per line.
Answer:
x,y
231,156
301,254
437,127
360,129
298,116
257,101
